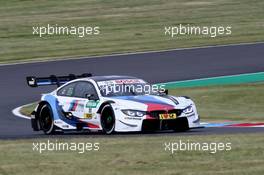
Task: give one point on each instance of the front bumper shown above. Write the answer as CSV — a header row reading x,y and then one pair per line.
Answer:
x,y
151,122
180,123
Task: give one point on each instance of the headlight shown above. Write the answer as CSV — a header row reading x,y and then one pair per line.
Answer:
x,y
188,110
133,113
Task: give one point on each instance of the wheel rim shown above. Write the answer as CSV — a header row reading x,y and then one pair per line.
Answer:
x,y
108,123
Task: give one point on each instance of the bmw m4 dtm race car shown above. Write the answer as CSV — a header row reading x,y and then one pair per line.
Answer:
x,y
109,104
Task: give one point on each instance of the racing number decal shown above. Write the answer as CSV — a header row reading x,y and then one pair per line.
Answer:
x,y
88,116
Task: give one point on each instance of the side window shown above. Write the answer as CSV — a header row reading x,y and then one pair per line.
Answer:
x,y
82,89
67,90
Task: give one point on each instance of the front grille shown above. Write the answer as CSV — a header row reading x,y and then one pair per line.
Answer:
x,y
155,114
179,124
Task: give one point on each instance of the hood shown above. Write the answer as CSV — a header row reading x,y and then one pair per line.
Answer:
x,y
151,102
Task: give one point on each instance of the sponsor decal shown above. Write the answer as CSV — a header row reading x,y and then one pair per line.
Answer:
x,y
128,81
57,122
90,110
92,104
76,105
120,81
65,126
132,118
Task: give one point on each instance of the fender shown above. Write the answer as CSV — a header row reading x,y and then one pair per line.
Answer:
x,y
103,104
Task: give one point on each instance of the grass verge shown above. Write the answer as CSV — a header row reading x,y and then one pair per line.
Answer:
x,y
230,102
242,102
126,26
136,155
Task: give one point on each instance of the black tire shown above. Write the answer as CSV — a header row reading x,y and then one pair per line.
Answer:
x,y
182,125
108,119
46,120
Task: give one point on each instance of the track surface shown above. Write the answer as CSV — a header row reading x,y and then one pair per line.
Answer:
x,y
154,67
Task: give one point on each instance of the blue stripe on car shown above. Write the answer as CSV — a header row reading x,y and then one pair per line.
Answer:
x,y
143,99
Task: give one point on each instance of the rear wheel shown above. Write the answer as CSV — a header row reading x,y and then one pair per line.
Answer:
x,y
46,119
108,119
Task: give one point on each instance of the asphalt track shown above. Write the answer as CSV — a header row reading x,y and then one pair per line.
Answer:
x,y
154,67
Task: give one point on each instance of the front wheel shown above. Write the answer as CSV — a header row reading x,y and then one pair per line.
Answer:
x,y
46,119
108,119
182,125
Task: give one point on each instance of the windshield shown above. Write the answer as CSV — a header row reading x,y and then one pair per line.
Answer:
x,y
126,87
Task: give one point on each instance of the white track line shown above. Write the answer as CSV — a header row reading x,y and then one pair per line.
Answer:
x,y
40,60
17,113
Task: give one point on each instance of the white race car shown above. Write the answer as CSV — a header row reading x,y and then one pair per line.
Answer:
x,y
109,104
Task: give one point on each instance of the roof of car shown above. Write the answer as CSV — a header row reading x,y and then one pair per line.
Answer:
x,y
110,77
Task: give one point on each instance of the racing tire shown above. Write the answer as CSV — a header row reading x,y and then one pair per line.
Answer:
x,y
108,119
182,125
46,120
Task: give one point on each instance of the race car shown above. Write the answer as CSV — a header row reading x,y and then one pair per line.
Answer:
x,y
109,104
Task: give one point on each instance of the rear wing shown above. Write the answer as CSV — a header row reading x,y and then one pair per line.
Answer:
x,y
53,79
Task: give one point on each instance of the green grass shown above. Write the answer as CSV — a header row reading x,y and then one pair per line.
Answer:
x,y
126,26
230,102
136,155
27,109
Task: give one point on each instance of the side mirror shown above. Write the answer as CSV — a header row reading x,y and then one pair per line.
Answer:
x,y
92,97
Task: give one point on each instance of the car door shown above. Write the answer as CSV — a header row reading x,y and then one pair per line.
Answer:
x,y
86,96
74,99
67,100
